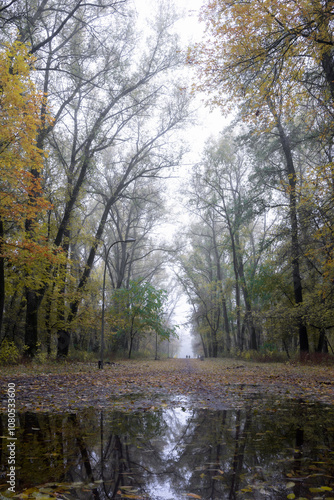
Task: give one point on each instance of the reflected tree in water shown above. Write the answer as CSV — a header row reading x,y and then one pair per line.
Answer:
x,y
168,453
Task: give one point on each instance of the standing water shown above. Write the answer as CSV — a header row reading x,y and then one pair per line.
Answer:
x,y
278,450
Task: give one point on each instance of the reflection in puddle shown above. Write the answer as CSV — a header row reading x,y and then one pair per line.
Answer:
x,y
274,451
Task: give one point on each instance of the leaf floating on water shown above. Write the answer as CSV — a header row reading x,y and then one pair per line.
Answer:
x,y
290,484
191,495
77,484
29,493
291,496
320,489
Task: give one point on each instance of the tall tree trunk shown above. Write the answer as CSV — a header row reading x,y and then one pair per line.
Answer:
x,y
237,292
204,346
31,324
131,344
48,312
245,293
63,336
240,342
322,342
296,277
33,297
249,311
223,300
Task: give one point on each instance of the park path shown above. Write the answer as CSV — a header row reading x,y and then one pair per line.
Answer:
x,y
150,385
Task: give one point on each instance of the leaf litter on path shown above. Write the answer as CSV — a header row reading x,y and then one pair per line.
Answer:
x,y
149,385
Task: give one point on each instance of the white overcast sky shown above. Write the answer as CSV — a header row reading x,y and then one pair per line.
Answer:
x,y
190,30
208,124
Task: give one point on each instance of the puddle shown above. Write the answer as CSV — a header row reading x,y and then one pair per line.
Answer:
x,y
271,450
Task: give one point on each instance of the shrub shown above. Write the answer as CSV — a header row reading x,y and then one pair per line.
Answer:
x,y
264,356
81,356
41,357
316,358
9,353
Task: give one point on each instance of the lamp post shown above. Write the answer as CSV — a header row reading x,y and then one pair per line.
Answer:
x,y
156,345
128,240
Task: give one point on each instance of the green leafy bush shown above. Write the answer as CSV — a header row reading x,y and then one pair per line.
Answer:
x,y
9,353
41,357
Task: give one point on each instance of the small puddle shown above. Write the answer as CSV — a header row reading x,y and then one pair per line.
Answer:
x,y
274,450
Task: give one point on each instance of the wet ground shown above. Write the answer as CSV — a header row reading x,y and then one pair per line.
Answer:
x,y
213,384
209,430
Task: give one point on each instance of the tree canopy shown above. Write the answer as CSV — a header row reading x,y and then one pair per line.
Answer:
x,y
138,310
22,196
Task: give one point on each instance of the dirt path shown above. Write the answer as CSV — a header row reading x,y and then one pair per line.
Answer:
x,y
147,385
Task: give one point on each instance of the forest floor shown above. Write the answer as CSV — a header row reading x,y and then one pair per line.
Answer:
x,y
148,385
